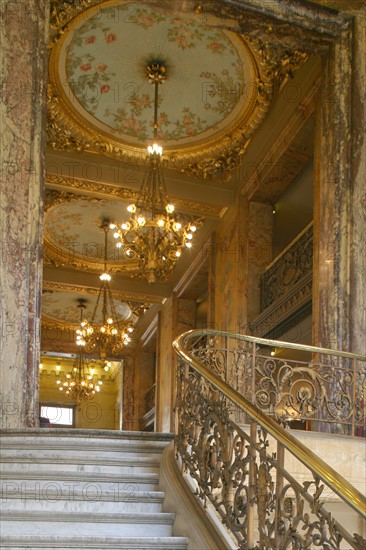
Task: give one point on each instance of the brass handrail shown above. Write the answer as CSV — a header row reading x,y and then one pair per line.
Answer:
x,y
274,343
336,482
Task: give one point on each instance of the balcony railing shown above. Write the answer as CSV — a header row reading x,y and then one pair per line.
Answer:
x,y
286,287
293,265
260,503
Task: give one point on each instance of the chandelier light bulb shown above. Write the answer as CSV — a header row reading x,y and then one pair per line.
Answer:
x,y
112,226
178,253
141,220
125,226
116,235
105,277
109,320
177,226
161,222
131,208
155,148
58,382
189,236
189,245
130,329
58,367
114,331
193,228
169,208
103,329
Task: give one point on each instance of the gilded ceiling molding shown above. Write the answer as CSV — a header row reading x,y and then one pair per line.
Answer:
x,y
108,191
144,300
63,257
54,197
218,156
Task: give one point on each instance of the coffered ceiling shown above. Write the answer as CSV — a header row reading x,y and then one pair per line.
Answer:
x,y
221,110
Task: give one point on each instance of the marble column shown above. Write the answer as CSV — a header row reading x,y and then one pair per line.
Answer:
x,y
339,295
24,30
177,316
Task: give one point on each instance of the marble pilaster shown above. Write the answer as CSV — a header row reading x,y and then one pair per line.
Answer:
x,y
24,30
177,316
339,295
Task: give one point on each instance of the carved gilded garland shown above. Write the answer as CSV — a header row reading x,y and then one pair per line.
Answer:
x,y
107,191
219,155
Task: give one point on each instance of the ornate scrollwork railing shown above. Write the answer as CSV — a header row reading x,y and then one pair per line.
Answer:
x,y
293,265
150,398
329,388
261,504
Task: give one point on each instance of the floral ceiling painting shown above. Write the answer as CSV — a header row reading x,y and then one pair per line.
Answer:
x,y
102,63
74,228
61,307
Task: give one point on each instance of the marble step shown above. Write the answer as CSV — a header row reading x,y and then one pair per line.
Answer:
x,y
74,500
96,524
89,482
98,443
34,542
124,465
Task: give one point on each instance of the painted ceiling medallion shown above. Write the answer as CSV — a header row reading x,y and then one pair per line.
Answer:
x,y
99,100
60,307
72,236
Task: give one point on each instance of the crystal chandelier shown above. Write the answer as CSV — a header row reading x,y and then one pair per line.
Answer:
x,y
111,335
153,235
82,382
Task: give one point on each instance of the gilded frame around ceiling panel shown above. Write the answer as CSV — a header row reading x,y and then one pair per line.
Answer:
x,y
68,130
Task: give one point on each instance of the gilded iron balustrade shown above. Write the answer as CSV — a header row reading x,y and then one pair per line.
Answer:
x,y
235,469
289,269
329,388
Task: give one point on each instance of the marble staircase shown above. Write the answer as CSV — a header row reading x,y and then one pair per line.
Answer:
x,y
96,489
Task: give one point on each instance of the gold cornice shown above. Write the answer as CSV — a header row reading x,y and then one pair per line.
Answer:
x,y
71,186
144,301
217,156
62,257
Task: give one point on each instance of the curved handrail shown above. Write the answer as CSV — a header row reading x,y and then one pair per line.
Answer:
x,y
274,343
321,469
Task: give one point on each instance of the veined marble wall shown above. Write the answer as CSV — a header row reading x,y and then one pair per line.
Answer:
x,y
177,316
23,104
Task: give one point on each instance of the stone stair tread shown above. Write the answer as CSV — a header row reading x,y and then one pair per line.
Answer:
x,y
54,458
138,477
33,542
79,494
96,517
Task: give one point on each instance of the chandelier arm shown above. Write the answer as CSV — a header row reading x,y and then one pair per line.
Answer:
x,y
111,304
96,305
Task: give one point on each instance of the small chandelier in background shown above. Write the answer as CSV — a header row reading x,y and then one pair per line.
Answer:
x,y
82,382
153,235
111,335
